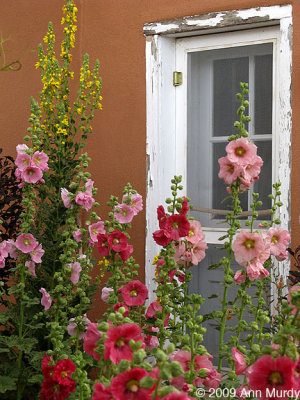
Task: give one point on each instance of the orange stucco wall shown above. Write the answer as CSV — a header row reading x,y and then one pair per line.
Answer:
x,y
112,30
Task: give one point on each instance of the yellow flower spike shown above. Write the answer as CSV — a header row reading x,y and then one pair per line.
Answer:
x,y
63,20
155,260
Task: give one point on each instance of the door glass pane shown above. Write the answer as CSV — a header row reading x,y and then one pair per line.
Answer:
x,y
227,75
263,94
263,185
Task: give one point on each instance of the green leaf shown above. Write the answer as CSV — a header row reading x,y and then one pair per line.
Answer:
x,y
213,296
25,344
4,317
7,383
214,266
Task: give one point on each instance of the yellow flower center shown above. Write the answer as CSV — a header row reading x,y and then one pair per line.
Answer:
x,y
191,233
240,151
64,374
274,239
249,244
116,241
133,293
133,386
275,378
120,342
26,242
175,225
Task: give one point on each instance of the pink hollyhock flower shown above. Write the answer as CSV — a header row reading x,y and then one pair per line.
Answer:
x,y
117,342
135,201
2,261
46,300
179,252
125,386
282,256
21,148
123,213
31,174
37,254
102,245
197,252
162,237
229,171
243,392
40,160
105,293
117,240
26,243
294,288
239,277
11,248
72,328
134,293
95,229
119,305
279,239
4,248
65,195
195,233
185,208
161,216
151,341
239,361
101,392
252,170
85,200
152,309
89,184
256,271
267,373
241,151
77,235
213,379
92,336
125,254
63,371
31,266
76,269
247,246
178,226
23,161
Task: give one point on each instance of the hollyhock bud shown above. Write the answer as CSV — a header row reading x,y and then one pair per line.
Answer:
x,y
239,277
31,266
76,269
65,195
105,293
46,300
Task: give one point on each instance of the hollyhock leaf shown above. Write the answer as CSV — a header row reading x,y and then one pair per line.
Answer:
x,y
7,383
147,382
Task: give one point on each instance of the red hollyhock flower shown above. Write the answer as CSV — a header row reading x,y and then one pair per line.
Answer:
x,y
267,373
103,244
52,390
117,342
134,293
102,392
125,254
185,208
161,216
63,371
178,226
118,305
162,237
117,240
152,309
47,370
126,386
90,339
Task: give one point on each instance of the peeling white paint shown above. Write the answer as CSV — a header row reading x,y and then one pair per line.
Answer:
x,y
210,22
274,12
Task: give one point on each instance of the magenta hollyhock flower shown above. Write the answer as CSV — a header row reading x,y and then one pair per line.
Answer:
x,y
102,245
37,254
31,266
243,392
125,386
26,243
152,309
92,336
63,371
117,342
65,195
125,254
85,200
247,246
102,392
95,229
134,293
239,277
178,226
213,379
229,171
161,216
23,161
123,213
241,151
40,160
76,269
152,341
185,208
119,305
117,240
177,396
105,293
279,239
135,201
46,300
239,361
77,235
72,328
195,233
31,174
162,237
267,373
